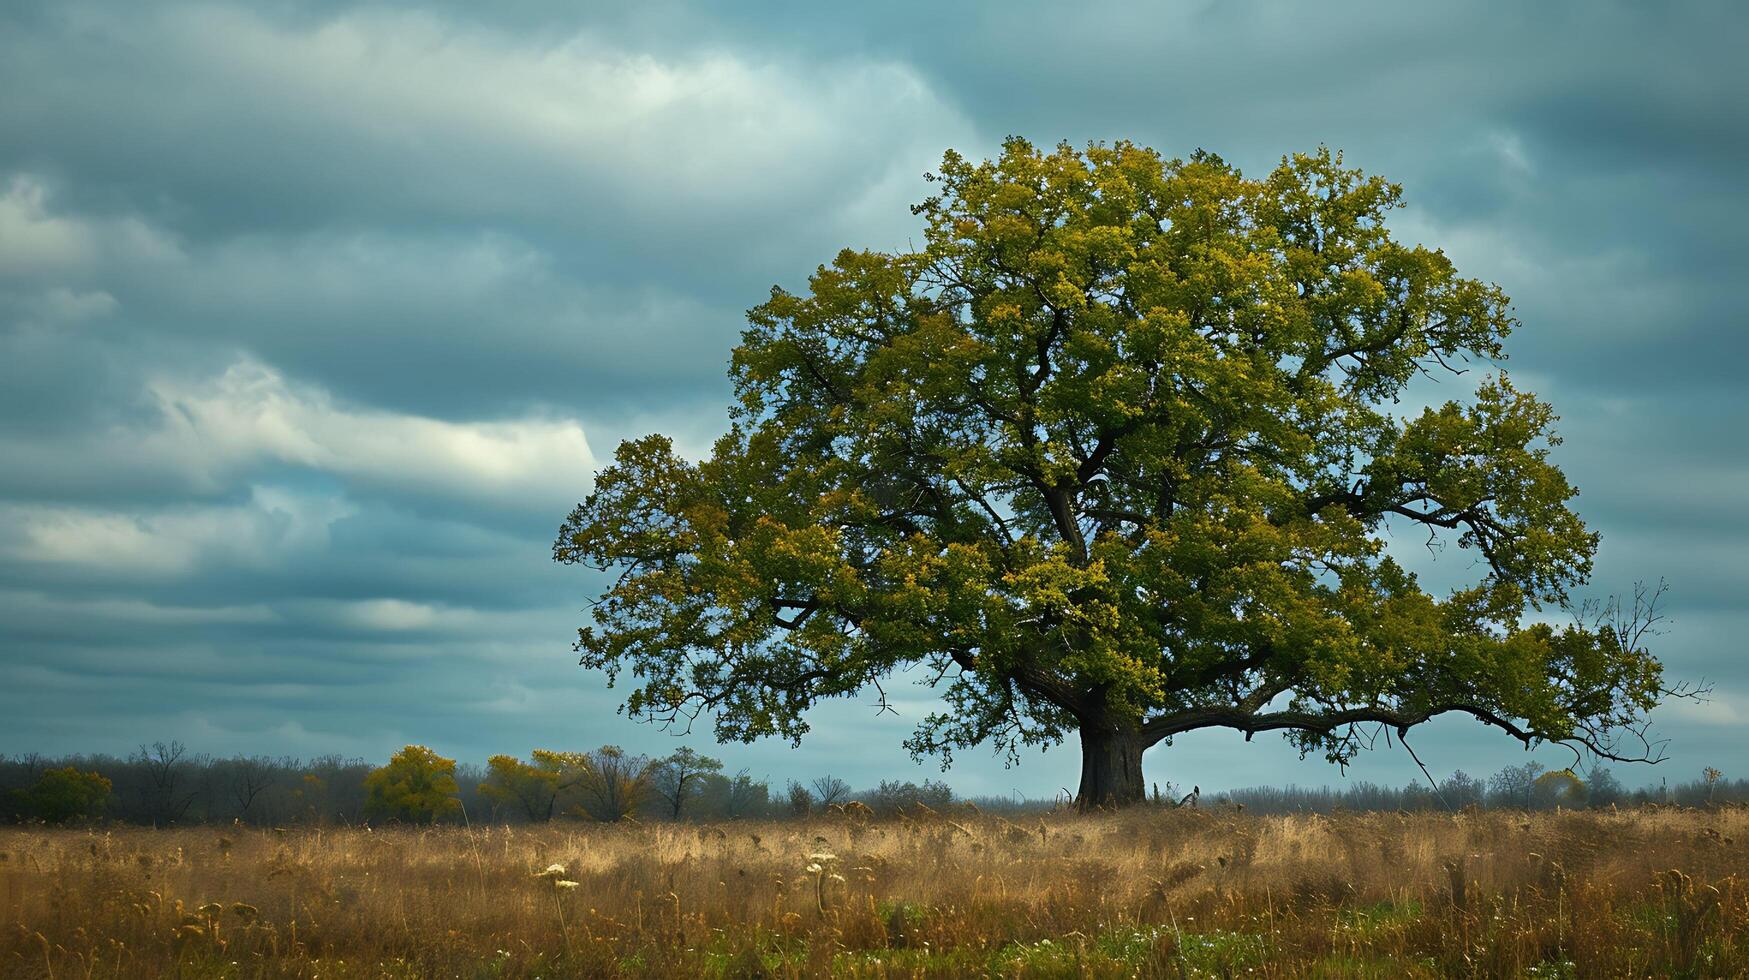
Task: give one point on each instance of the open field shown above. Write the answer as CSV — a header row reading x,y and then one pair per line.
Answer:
x,y
1146,893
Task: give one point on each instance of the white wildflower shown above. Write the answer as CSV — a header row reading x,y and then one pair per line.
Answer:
x,y
565,884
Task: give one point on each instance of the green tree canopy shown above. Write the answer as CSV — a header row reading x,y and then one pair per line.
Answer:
x,y
417,786
1115,453
679,777
65,795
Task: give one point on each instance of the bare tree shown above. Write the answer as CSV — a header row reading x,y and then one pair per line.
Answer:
x,y
165,769
831,789
34,764
1514,786
250,778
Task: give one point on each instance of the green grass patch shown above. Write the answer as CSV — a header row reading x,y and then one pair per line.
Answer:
x,y
1220,953
1379,917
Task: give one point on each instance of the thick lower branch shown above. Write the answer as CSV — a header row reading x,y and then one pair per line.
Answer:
x,y
1326,722
1047,687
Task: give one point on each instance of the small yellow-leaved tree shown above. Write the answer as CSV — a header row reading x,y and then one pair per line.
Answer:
x,y
417,786
533,787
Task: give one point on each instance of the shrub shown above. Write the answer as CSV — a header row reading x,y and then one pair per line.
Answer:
x,y
67,795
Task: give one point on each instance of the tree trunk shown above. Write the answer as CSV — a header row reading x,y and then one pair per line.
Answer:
x,y
1111,768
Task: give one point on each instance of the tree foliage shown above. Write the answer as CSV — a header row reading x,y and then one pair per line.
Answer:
x,y
614,783
895,796
734,797
679,777
533,788
417,786
66,795
798,799
1116,452
1559,787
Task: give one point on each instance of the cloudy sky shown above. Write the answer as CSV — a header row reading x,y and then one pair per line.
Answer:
x,y
316,318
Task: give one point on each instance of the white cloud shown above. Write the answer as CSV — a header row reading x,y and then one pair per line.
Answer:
x,y
390,615
308,187
171,542
32,240
38,243
224,431
703,125
217,427
1611,288
385,617
431,115
1718,708
70,306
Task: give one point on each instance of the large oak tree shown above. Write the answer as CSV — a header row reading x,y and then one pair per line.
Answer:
x,y
1114,453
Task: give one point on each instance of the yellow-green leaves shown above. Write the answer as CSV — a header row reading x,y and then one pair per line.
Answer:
x,y
1116,447
417,786
1484,470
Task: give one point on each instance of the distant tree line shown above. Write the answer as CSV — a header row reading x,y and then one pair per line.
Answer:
x,y
1523,787
163,784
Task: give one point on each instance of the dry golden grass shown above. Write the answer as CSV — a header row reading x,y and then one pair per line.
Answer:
x,y
1144,893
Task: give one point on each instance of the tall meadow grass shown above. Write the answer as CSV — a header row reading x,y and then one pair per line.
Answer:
x,y
1648,892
